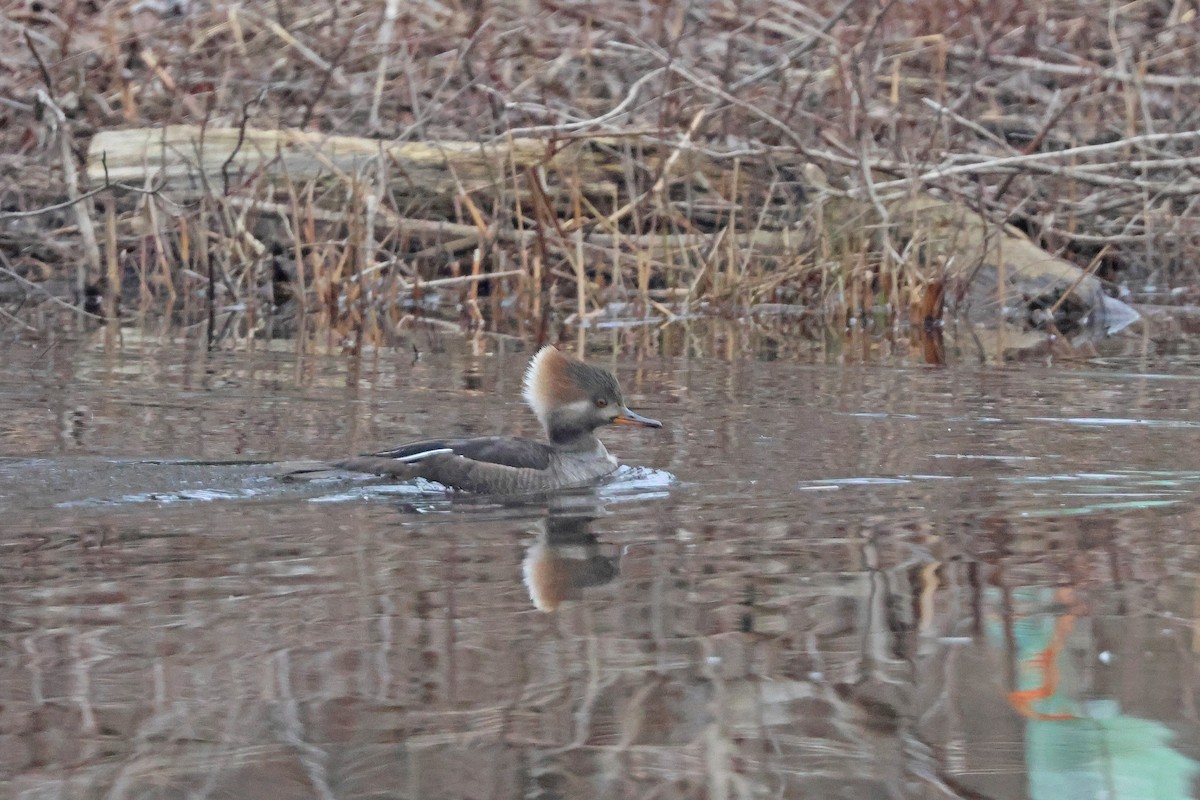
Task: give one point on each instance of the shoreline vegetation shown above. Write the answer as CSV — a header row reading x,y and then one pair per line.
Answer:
x,y
1017,178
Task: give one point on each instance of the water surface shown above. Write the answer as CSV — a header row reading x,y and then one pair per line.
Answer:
x,y
818,580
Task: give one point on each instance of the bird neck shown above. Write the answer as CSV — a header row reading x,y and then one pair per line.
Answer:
x,y
570,436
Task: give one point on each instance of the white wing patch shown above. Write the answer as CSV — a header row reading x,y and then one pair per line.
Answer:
x,y
438,451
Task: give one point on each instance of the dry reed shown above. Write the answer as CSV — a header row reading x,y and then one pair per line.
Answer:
x,y
697,141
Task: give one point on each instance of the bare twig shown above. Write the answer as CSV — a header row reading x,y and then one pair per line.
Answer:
x,y
52,298
992,164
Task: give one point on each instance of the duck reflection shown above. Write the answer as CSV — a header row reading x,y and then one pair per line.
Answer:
x,y
566,558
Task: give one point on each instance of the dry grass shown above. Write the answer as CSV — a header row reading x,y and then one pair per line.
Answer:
x,y
706,128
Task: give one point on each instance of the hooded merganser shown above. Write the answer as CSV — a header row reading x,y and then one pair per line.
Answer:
x,y
570,398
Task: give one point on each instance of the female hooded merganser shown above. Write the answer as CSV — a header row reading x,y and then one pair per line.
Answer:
x,y
570,398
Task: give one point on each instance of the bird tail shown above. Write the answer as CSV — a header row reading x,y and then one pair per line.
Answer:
x,y
378,465
303,470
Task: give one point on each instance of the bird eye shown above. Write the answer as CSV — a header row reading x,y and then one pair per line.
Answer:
x,y
601,402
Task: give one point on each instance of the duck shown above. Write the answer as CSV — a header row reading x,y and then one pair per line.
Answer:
x,y
571,400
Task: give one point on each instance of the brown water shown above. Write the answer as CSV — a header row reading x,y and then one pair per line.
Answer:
x,y
825,581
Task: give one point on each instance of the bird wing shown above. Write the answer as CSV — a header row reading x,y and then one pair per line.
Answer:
x,y
505,450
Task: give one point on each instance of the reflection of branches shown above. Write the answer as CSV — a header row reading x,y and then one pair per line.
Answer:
x,y
876,633
595,684
312,757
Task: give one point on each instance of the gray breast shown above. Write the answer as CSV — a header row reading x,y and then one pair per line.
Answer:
x,y
574,469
